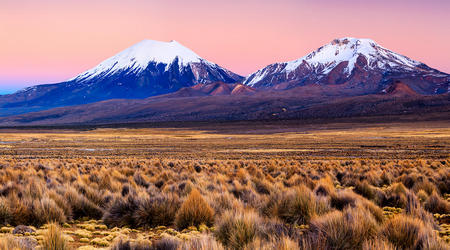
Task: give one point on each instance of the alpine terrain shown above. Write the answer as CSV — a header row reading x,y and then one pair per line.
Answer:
x,y
346,78
358,66
146,69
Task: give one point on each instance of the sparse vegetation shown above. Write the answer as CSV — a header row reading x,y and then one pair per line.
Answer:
x,y
207,191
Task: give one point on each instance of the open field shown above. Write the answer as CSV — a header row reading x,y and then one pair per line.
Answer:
x,y
240,186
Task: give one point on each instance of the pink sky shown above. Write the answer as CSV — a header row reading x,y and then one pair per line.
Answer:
x,y
51,40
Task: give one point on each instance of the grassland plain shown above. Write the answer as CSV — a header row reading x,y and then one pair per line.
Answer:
x,y
331,186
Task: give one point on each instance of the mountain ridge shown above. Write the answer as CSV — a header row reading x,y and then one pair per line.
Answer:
x,y
349,61
350,76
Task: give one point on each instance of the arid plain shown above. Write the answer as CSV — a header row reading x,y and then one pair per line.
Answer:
x,y
237,186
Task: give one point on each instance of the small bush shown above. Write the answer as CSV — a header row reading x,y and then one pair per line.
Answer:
x,y
194,211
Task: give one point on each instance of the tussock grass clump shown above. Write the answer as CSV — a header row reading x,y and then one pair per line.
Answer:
x,y
16,243
5,212
128,245
166,244
237,229
347,198
121,212
205,242
435,204
48,211
194,211
403,231
396,196
366,190
157,211
80,205
377,244
54,239
284,243
299,206
343,230
265,201
414,209
325,187
429,240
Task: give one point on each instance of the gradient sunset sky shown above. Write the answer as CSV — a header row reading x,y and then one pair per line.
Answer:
x,y
51,41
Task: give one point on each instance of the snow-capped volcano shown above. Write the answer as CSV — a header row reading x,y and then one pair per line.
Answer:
x,y
145,69
136,59
345,60
348,50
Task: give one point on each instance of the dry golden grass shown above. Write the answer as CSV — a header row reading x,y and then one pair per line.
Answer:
x,y
380,187
54,239
194,212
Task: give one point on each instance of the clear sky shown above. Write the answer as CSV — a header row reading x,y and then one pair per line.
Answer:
x,y
46,41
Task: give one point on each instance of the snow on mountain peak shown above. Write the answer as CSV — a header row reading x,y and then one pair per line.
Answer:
x,y
137,57
349,49
323,60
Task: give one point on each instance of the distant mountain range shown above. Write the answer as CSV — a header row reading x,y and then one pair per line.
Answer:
x,y
145,69
159,81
